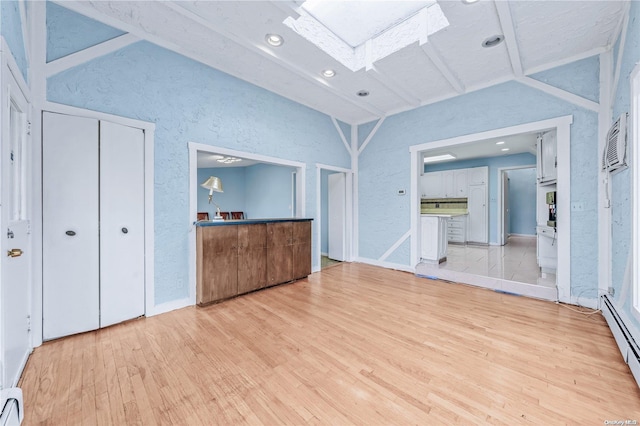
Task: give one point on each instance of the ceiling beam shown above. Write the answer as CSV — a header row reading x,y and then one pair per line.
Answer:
x,y
561,94
509,32
344,139
183,10
442,66
86,55
387,81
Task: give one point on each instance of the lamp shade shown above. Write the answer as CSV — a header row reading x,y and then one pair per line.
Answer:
x,y
213,183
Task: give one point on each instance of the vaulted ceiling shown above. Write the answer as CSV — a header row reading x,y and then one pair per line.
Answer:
x,y
230,36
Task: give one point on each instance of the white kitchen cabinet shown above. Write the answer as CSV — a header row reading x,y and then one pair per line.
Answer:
x,y
478,175
457,229
547,158
477,226
433,233
431,185
460,183
448,184
547,248
93,224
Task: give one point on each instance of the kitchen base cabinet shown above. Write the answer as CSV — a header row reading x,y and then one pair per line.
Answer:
x,y
433,238
252,257
301,249
237,257
217,264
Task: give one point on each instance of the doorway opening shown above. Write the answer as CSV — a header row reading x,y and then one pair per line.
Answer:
x,y
503,276
334,215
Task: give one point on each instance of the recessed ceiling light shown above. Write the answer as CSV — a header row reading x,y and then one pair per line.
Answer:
x,y
328,73
469,1
362,93
217,157
493,41
505,149
442,157
500,143
274,40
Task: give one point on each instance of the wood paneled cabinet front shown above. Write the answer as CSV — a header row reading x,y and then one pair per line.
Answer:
x,y
217,263
238,259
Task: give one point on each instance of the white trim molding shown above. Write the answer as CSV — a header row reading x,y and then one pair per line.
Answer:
x,y
560,94
563,126
371,135
88,54
342,137
395,246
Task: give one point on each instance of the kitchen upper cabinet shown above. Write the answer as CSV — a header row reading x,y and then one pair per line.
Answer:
x,y
460,183
431,185
448,184
547,158
478,175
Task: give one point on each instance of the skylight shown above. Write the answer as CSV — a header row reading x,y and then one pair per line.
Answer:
x,y
359,33
358,21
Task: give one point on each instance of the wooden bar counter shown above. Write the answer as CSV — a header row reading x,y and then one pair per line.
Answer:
x,y
234,257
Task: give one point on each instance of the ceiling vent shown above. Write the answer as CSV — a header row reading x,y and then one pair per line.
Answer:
x,y
615,150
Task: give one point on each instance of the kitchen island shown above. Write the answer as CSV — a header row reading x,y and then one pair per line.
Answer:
x,y
235,257
434,235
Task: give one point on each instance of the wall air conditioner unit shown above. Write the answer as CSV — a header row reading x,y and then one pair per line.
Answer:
x,y
615,150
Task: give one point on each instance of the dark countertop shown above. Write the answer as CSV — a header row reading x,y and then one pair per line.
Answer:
x,y
249,221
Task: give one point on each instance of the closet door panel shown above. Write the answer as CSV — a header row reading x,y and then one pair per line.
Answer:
x,y
121,223
70,225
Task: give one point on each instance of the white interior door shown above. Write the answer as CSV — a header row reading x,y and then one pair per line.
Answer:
x,y
504,234
121,223
477,225
70,225
16,243
337,215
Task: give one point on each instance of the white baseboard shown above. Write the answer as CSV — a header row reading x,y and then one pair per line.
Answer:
x,y
388,265
170,306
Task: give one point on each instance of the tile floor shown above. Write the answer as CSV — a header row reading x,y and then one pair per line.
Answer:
x,y
515,261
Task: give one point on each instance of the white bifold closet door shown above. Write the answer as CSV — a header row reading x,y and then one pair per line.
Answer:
x,y
93,224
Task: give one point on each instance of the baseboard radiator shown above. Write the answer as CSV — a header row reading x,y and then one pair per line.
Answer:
x,y
628,346
12,407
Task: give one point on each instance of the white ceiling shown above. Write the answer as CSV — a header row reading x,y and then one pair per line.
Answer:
x,y
230,36
517,144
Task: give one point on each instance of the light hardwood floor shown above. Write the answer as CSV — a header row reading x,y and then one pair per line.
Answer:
x,y
353,344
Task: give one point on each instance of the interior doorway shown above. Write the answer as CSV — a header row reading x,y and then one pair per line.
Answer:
x,y
334,216
517,202
561,241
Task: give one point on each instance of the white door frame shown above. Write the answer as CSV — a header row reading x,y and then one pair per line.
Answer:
x,y
499,219
194,148
149,134
349,225
563,126
12,80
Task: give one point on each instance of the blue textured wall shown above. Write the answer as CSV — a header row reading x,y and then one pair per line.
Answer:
x,y
588,83
522,201
387,159
268,191
621,197
69,32
190,102
494,163
11,30
233,183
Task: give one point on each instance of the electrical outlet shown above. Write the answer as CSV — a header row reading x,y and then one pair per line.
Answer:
x,y
577,206
401,192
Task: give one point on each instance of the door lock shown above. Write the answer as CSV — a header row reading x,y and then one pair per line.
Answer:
x,y
14,253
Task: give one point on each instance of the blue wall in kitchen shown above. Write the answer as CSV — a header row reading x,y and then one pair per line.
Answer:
x,y
494,163
522,201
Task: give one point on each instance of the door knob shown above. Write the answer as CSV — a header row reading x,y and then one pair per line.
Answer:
x,y
14,253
